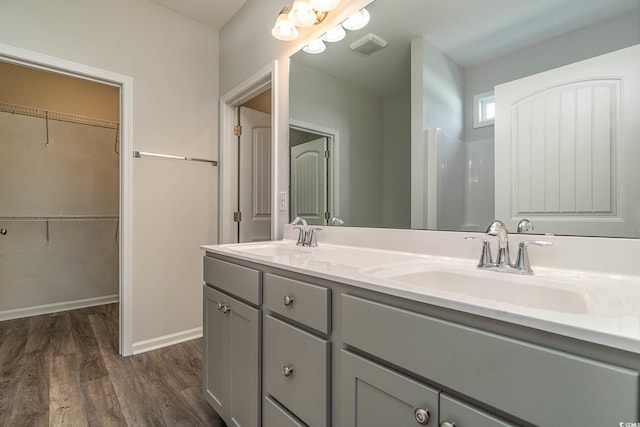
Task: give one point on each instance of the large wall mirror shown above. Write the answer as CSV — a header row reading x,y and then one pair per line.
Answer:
x,y
447,114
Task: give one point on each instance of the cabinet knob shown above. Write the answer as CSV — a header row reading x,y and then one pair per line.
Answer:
x,y
219,306
447,424
3,231
287,300
287,371
225,308
422,416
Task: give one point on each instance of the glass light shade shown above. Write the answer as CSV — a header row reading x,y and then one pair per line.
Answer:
x,y
315,47
324,5
357,21
284,29
335,34
302,14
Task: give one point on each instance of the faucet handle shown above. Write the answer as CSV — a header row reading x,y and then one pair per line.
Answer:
x,y
485,257
311,237
522,263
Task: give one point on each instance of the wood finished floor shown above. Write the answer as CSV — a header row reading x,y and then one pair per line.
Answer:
x,y
63,369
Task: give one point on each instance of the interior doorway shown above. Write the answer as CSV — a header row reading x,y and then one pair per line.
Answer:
x,y
60,202
123,84
254,171
314,177
256,93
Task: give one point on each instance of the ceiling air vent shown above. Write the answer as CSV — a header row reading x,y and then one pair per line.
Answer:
x,y
368,44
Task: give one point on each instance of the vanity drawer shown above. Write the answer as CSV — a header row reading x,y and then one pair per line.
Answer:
x,y
304,391
302,302
234,279
462,414
511,375
274,415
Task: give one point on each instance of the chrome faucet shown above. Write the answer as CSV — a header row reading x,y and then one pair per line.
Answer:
x,y
503,260
497,228
525,226
306,234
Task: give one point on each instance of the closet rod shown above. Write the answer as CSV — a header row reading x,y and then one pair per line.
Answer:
x,y
139,154
54,115
59,218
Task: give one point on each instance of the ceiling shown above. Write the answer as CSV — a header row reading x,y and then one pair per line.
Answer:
x,y
213,13
468,31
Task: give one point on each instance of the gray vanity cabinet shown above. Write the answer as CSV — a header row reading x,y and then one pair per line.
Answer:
x,y
540,385
283,349
232,348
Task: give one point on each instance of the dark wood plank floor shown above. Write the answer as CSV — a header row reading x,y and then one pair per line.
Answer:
x,y
63,369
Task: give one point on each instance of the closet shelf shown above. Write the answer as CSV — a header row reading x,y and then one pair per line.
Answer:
x,y
59,218
54,115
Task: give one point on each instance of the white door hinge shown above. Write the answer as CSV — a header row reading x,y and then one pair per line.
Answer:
x,y
237,216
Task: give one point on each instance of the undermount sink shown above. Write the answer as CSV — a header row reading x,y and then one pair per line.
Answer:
x,y
270,249
495,287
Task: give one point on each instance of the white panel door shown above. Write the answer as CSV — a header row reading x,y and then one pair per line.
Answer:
x,y
567,148
255,176
309,181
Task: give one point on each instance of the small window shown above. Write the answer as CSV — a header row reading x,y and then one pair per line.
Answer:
x,y
484,110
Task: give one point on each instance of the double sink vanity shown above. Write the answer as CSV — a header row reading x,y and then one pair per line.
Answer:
x,y
397,327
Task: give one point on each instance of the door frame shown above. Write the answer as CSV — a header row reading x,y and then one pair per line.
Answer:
x,y
39,61
228,150
333,136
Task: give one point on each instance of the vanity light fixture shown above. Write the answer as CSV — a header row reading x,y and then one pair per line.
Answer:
x,y
335,34
324,5
315,47
357,21
284,30
303,13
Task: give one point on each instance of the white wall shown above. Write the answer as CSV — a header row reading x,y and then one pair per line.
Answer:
x,y
396,160
437,103
174,65
319,99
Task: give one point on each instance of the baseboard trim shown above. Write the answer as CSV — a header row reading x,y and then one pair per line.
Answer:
x,y
57,307
166,340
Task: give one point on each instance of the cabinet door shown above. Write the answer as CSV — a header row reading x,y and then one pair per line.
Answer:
x,y
462,414
232,358
244,335
372,395
217,376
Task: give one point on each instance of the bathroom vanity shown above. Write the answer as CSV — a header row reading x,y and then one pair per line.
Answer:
x,y
347,336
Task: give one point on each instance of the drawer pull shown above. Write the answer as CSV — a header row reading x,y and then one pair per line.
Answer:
x,y
226,309
287,300
422,416
447,424
287,371
220,306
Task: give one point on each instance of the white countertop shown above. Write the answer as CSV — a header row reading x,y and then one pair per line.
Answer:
x,y
609,313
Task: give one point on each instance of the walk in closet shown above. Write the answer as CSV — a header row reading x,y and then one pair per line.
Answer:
x,y
59,192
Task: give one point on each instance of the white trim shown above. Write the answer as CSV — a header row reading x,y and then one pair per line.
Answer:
x,y
228,156
166,340
38,310
334,160
49,63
